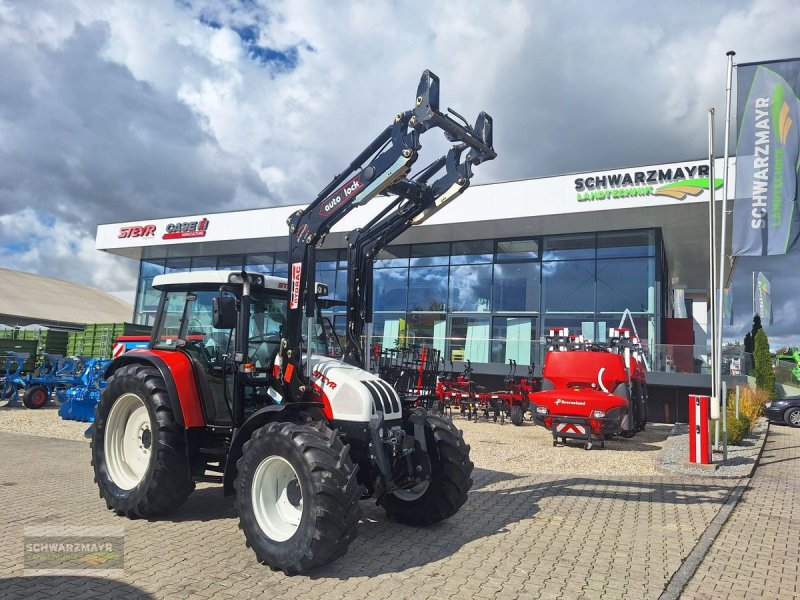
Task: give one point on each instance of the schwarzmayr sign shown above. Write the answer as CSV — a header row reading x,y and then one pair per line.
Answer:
x,y
678,183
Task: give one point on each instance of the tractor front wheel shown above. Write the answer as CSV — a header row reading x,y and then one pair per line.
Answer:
x,y
297,496
446,492
138,450
36,396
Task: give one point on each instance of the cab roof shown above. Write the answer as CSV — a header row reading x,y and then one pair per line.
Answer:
x,y
219,278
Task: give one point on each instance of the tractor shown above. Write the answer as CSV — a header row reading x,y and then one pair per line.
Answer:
x,y
237,386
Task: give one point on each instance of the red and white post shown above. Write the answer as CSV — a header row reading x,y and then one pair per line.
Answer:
x,y
699,429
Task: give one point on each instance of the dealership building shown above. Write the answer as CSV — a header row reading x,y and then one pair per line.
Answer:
x,y
485,278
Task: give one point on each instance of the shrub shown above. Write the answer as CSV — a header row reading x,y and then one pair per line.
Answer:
x,y
737,428
751,402
765,372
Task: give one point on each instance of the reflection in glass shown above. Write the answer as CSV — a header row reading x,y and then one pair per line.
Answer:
x,y
232,263
393,256
151,268
512,250
568,286
564,247
470,253
259,263
516,287
428,255
427,288
428,329
469,339
471,288
389,289
513,339
626,283
626,243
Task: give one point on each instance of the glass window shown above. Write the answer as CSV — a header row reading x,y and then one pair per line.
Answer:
x,y
470,339
170,325
569,247
389,289
342,260
429,255
471,288
427,288
514,338
151,268
645,326
626,243
340,291
259,263
204,263
626,283
281,268
232,263
147,298
470,253
393,256
177,265
429,329
516,287
389,330
568,286
327,259
577,324
510,250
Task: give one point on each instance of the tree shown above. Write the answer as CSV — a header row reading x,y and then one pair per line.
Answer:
x,y
748,343
756,326
765,372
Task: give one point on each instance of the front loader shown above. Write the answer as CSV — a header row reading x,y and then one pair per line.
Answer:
x,y
237,387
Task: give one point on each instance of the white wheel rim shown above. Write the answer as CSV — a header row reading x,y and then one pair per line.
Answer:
x,y
277,498
794,417
413,493
128,441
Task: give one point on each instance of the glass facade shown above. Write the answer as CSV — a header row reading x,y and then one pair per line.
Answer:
x,y
482,300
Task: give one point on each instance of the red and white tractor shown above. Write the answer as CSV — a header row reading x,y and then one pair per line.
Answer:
x,y
237,385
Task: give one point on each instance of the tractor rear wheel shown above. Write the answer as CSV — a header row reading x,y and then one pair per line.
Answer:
x,y
517,414
138,450
446,492
36,396
297,496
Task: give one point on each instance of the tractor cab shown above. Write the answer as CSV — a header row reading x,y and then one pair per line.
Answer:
x,y
198,317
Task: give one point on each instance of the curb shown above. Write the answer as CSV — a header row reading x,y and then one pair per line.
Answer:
x,y
682,576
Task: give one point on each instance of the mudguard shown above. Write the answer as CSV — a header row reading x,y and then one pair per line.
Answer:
x,y
273,412
176,370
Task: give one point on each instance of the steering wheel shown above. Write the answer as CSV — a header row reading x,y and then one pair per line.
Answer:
x,y
255,342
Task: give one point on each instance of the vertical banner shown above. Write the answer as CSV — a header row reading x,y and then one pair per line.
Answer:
x,y
727,306
763,295
678,303
765,214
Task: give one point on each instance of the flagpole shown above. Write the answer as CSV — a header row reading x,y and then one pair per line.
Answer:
x,y
721,272
711,253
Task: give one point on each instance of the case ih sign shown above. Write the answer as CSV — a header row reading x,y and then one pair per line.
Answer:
x,y
189,229
135,231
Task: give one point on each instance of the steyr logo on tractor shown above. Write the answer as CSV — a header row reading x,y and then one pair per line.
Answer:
x,y
137,231
189,229
294,297
341,196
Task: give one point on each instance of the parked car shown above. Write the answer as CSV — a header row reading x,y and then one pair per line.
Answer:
x,y
784,410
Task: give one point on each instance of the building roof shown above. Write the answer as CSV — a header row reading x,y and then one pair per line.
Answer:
x,y
35,298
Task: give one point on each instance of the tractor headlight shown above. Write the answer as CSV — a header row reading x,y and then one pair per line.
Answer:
x,y
598,414
541,410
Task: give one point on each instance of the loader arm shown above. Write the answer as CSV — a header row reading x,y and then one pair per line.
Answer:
x,y
381,165
415,203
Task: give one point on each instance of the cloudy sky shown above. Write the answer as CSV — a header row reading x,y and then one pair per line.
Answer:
x,y
122,110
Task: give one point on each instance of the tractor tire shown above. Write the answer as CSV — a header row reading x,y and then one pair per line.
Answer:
x,y
446,492
36,396
517,414
138,449
297,496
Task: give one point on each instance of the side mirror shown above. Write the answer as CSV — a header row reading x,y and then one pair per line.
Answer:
x,y
223,312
